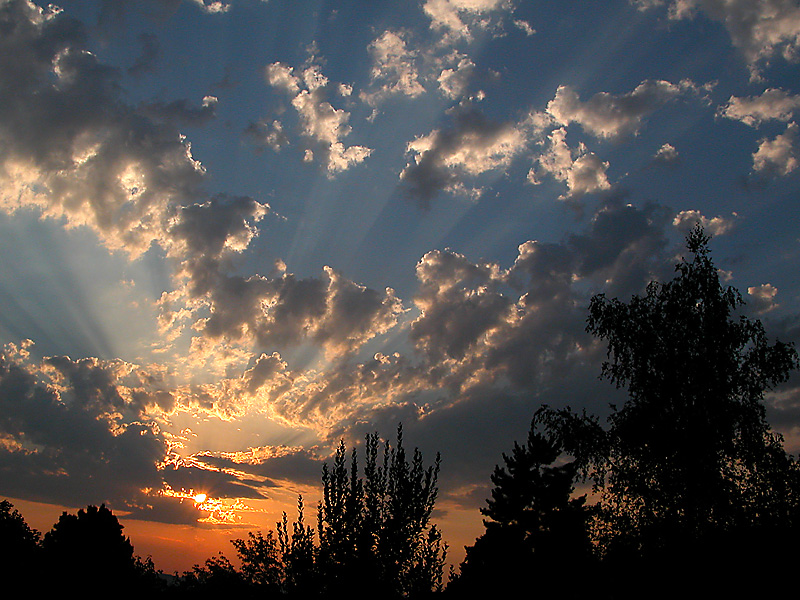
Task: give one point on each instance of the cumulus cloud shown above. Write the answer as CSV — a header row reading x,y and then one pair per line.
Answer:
x,y
759,29
267,135
67,423
777,156
762,297
459,303
461,18
442,159
394,68
666,154
453,82
687,219
524,26
582,171
72,147
480,330
607,115
774,103
281,311
322,125
410,67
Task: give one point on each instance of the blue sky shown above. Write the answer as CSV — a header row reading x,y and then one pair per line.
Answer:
x,y
236,232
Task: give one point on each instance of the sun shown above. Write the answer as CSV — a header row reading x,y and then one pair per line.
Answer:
x,y
199,498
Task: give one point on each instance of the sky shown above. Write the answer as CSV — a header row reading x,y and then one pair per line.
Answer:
x,y
234,233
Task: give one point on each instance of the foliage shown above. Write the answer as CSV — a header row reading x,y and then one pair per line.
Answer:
x,y
217,577
534,527
376,528
689,461
19,544
374,532
89,545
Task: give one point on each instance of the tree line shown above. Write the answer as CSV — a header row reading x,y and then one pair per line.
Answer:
x,y
688,488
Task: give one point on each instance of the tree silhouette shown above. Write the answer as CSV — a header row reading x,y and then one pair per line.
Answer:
x,y
375,533
216,578
688,468
89,551
19,544
536,532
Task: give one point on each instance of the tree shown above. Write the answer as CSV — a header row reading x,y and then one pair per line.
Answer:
x,y
376,530
282,564
536,532
689,461
375,536
216,578
89,551
19,544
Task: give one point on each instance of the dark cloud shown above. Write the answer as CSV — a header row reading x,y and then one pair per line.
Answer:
x,y
214,482
146,61
72,147
472,145
181,112
64,440
297,465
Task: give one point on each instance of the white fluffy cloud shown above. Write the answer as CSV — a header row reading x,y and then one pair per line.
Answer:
x,y
763,297
442,159
582,171
460,18
687,219
759,28
779,155
70,146
607,115
753,110
394,68
666,154
322,124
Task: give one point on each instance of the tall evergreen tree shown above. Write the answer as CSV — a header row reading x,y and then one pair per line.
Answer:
x,y
536,532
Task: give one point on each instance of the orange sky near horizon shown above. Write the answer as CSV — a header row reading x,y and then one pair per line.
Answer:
x,y
176,548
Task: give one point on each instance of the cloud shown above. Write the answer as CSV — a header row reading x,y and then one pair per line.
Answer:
x,y
405,66
294,464
267,135
582,171
777,156
481,330
459,304
69,428
606,115
146,62
759,29
212,6
667,154
284,311
473,146
525,27
763,297
394,68
461,18
72,147
181,112
453,82
774,103
687,219
322,125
